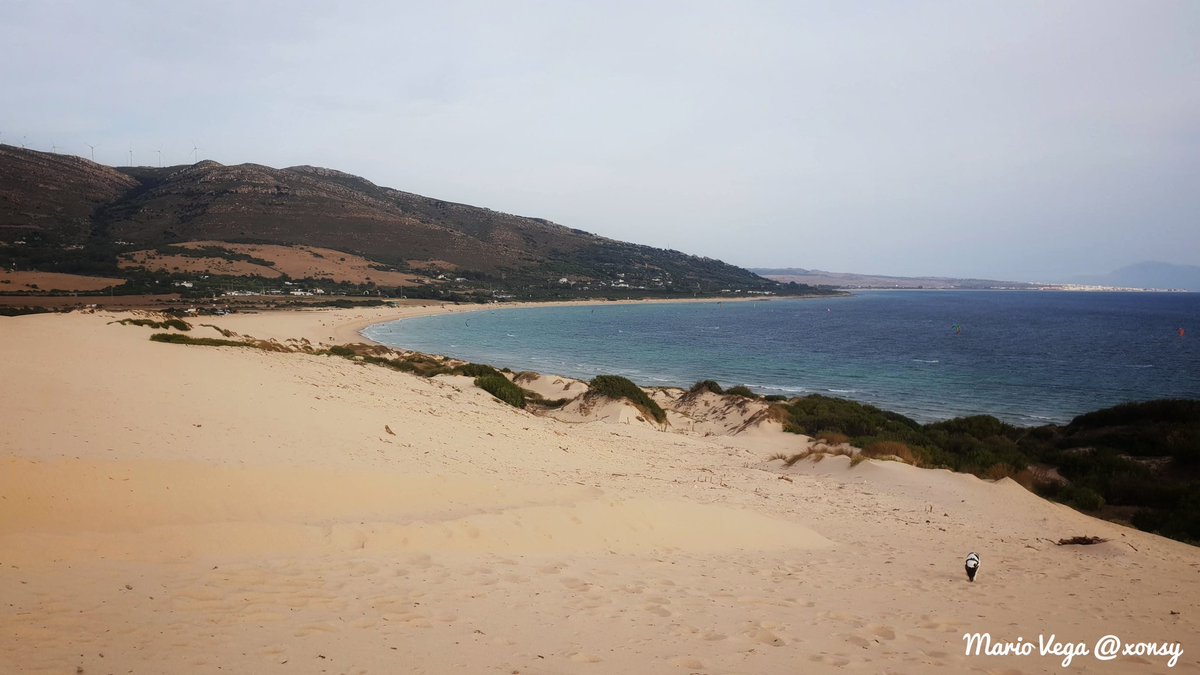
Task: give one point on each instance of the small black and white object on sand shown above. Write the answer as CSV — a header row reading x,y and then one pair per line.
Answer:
x,y
972,565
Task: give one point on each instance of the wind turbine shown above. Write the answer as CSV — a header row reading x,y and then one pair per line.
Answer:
x,y
159,151
195,152
53,147
93,147
131,154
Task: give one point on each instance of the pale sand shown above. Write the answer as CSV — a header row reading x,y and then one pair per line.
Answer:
x,y
177,509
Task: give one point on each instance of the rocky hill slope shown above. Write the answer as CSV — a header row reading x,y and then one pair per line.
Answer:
x,y
67,214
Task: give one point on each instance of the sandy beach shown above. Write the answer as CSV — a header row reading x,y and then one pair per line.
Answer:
x,y
173,508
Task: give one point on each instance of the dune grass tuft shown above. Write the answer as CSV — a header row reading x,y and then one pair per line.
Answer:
x,y
889,449
832,437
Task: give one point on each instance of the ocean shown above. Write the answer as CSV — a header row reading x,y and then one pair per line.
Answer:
x,y
1025,357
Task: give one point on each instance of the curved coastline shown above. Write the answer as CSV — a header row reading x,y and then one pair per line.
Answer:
x,y
928,373
354,327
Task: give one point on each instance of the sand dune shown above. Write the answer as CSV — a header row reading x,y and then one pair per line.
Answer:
x,y
550,387
170,508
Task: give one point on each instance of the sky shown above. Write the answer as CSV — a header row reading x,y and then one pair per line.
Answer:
x,y
1007,140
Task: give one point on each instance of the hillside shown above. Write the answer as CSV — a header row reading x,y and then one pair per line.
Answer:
x,y
67,214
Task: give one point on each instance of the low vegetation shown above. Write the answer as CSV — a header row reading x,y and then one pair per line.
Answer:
x,y
476,370
177,324
1138,462
543,402
617,387
832,437
715,387
1081,541
180,339
889,450
706,385
497,385
410,362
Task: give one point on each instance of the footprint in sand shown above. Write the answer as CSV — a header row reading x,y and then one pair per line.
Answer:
x,y
764,636
656,609
577,585
858,641
882,631
315,628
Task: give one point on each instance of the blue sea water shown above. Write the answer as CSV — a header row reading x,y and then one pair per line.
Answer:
x,y
1026,357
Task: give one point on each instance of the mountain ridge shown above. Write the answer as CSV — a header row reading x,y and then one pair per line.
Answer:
x,y
67,214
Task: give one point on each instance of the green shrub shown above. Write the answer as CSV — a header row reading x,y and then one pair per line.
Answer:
x,y
1082,498
1150,520
814,413
177,324
501,388
774,398
741,390
476,370
177,339
617,387
706,385
1181,521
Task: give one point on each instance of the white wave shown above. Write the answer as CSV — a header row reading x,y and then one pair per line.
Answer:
x,y
776,387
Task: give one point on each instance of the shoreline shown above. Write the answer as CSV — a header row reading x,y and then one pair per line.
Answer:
x,y
1036,411
355,326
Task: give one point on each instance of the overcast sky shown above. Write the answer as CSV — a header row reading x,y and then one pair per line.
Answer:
x,y
1014,140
